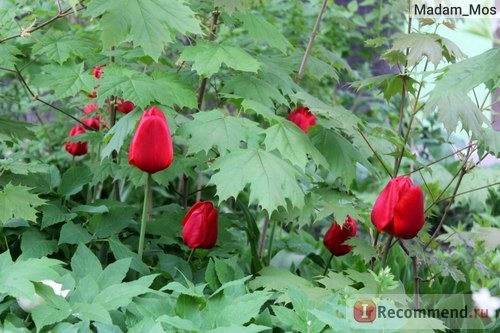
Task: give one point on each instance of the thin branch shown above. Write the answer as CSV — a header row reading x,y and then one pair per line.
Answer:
x,y
37,98
310,43
213,33
375,153
26,32
470,191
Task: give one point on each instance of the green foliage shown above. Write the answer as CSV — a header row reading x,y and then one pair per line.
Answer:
x,y
18,202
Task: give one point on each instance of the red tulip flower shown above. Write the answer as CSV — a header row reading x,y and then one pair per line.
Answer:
x,y
124,106
151,149
399,209
97,71
199,226
338,234
76,148
302,117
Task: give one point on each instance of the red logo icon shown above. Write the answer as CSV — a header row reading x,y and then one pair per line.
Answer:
x,y
365,311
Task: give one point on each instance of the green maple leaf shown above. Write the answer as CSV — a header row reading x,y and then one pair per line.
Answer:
x,y
60,47
293,144
251,87
271,179
18,202
260,29
207,58
215,129
151,24
66,81
8,55
339,152
420,45
142,89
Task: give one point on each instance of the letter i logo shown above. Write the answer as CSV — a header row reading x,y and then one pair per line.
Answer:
x,y
365,311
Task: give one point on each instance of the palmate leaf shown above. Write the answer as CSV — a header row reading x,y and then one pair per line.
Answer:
x,y
8,55
420,45
17,201
66,81
260,29
143,89
207,58
60,47
271,179
215,129
292,144
151,24
339,152
251,87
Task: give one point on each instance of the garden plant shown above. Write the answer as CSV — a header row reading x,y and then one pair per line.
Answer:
x,y
243,166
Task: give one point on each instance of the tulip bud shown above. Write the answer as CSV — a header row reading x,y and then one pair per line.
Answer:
x,y
94,122
97,71
90,107
337,235
76,148
151,149
200,226
302,117
399,209
124,106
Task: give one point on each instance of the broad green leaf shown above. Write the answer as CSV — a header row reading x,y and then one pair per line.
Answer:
x,y
230,6
178,322
252,328
22,168
35,245
84,263
118,295
339,152
52,214
16,277
66,81
271,179
114,273
91,312
120,251
330,201
292,144
362,248
143,89
115,138
458,107
15,130
420,45
111,223
152,24
90,209
72,233
44,315
251,87
260,29
59,46
240,310
272,278
74,179
8,55
263,110
207,58
18,202
215,129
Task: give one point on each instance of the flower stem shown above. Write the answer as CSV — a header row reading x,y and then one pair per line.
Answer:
x,y
270,246
386,251
327,266
190,255
147,190
262,241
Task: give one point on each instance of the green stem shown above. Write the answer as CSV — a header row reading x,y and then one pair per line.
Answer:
x,y
147,190
270,246
386,251
190,255
328,265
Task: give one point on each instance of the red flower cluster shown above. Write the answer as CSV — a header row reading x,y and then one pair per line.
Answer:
x,y
200,226
151,149
302,117
399,209
124,106
338,234
76,148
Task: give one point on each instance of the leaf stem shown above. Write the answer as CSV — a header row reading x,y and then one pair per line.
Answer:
x,y
375,153
270,245
327,266
310,43
144,217
262,240
190,255
386,251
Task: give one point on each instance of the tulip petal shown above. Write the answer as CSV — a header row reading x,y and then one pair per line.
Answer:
x,y
383,209
409,214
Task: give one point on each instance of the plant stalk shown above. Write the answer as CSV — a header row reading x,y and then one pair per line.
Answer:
x,y
327,266
144,217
